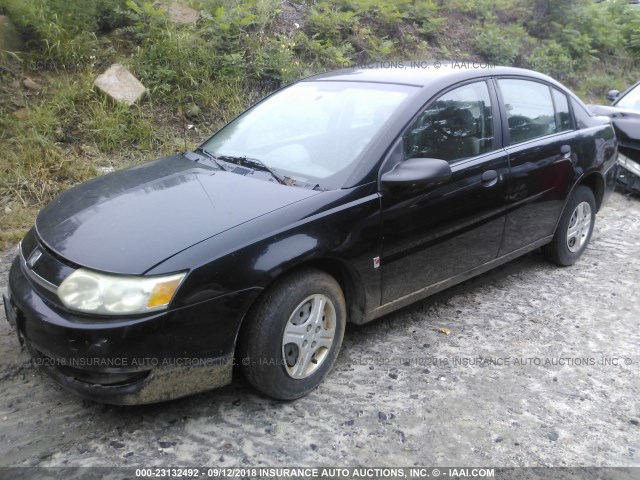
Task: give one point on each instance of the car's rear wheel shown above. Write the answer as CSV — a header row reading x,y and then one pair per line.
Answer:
x,y
293,335
574,229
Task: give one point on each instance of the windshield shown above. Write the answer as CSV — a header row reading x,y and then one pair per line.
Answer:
x,y
311,131
631,100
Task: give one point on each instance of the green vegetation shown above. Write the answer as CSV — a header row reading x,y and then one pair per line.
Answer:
x,y
587,45
58,130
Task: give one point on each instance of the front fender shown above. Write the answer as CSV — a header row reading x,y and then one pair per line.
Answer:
x,y
339,228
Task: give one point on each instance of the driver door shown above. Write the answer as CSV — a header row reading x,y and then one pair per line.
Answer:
x,y
434,233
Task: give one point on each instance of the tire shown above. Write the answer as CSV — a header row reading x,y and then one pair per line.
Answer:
x,y
578,219
287,368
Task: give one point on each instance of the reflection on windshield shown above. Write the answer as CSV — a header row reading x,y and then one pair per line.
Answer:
x,y
311,131
631,100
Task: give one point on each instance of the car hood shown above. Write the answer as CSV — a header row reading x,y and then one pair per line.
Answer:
x,y
625,121
130,220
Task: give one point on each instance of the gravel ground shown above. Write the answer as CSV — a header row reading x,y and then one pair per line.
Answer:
x,y
401,392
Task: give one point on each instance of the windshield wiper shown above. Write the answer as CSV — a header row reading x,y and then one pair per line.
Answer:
x,y
211,156
257,165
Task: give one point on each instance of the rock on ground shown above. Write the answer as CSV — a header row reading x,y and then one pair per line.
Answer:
x,y
401,393
120,84
181,14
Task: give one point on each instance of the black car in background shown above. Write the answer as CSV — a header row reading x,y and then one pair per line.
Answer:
x,y
337,199
625,114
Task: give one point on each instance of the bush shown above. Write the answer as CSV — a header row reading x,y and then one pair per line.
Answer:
x,y
631,32
499,45
552,59
375,30
63,32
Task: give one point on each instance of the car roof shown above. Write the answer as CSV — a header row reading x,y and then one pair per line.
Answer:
x,y
422,74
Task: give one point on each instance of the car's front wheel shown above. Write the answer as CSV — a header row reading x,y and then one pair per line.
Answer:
x,y
293,335
574,229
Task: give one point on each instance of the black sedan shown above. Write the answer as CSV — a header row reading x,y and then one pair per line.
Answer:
x,y
337,199
625,114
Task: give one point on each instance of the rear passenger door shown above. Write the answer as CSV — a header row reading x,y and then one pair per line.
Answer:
x,y
539,132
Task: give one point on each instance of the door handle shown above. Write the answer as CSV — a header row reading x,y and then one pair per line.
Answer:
x,y
489,178
565,150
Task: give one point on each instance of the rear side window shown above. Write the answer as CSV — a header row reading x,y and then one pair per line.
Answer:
x,y
457,125
530,111
563,117
582,116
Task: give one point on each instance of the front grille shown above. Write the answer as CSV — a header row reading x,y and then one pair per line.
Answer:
x,y
45,270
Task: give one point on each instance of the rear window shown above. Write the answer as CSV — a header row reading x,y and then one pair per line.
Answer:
x,y
563,116
581,114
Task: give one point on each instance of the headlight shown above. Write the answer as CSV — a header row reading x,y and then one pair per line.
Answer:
x,y
628,164
106,294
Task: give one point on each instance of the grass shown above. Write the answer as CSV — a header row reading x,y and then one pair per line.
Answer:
x,y
203,75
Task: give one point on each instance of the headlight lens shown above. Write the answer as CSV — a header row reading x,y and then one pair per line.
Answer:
x,y
629,164
105,294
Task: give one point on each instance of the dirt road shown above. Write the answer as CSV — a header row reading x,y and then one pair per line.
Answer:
x,y
541,366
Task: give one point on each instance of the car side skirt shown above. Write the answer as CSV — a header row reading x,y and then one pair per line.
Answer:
x,y
449,282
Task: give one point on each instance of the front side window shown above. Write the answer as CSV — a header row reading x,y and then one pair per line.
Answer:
x,y
530,112
457,125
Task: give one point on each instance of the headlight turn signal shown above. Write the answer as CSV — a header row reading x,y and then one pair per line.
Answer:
x,y
107,294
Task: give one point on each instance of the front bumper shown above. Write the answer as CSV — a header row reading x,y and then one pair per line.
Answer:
x,y
128,361
628,176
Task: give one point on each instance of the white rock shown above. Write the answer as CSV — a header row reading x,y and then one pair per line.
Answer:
x,y
181,14
104,170
118,83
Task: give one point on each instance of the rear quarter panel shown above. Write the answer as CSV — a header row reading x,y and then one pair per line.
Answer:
x,y
596,158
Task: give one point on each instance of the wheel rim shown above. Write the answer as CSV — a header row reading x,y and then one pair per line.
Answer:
x,y
579,227
308,336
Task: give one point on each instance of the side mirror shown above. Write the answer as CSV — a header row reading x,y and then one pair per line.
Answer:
x,y
612,95
418,171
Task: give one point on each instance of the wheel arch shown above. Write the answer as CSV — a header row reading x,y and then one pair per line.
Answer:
x,y
595,181
349,282
346,277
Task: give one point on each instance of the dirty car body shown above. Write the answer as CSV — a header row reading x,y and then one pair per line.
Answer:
x,y
625,115
211,232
